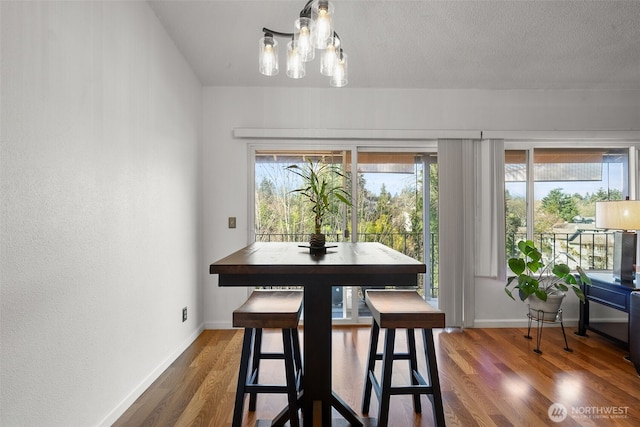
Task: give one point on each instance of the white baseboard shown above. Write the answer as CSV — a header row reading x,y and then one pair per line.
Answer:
x,y
523,322
518,323
120,409
218,325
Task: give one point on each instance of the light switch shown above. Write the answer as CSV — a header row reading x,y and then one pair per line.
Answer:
x,y
232,222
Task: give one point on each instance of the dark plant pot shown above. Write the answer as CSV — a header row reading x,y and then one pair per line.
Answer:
x,y
317,240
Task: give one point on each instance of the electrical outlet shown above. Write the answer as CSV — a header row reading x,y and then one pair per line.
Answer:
x,y
184,314
232,222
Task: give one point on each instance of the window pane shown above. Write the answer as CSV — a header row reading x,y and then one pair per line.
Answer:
x,y
390,204
515,199
567,183
390,201
280,213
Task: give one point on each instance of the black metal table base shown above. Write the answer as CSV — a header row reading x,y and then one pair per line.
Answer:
x,y
350,417
335,422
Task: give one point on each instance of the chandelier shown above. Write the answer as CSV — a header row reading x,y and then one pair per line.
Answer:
x,y
313,30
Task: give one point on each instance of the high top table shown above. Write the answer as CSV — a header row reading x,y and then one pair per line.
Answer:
x,y
346,264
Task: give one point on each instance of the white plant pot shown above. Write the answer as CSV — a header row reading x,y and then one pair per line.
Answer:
x,y
545,310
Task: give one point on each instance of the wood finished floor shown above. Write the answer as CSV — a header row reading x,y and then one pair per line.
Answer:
x,y
489,377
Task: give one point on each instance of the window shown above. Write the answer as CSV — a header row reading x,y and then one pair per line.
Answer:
x,y
550,196
280,214
387,201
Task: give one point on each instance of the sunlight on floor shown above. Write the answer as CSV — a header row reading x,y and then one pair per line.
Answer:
x,y
569,389
516,386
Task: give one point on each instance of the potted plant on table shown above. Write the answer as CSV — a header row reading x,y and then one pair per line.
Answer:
x,y
543,286
322,186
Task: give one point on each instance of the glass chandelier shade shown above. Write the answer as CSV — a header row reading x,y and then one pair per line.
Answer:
x,y
302,36
268,56
339,76
322,14
329,57
295,65
312,30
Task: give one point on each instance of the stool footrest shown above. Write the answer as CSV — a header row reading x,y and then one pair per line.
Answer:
x,y
421,388
252,381
265,388
411,389
272,356
396,356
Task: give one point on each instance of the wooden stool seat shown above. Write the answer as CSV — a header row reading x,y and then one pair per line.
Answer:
x,y
396,309
269,309
403,309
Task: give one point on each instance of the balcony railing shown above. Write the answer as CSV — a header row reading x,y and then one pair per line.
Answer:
x,y
590,250
409,244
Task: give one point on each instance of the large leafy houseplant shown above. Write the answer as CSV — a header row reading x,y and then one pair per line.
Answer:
x,y
532,277
322,186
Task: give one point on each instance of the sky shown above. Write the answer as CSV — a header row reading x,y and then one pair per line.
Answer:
x,y
611,177
395,182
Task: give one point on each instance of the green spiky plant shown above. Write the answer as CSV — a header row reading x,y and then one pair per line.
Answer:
x,y
533,277
320,189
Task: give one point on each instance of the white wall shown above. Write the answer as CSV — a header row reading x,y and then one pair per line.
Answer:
x,y
225,174
101,209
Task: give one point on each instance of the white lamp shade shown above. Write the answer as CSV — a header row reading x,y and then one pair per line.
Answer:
x,y
268,56
618,215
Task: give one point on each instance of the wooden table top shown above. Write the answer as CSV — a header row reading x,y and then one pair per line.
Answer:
x,y
347,263
289,257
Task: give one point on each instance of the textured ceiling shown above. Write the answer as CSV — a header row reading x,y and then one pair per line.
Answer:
x,y
515,44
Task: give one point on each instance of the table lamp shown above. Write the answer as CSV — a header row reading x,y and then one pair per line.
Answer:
x,y
621,215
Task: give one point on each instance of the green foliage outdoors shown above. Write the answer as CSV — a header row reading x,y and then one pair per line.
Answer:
x,y
556,208
560,204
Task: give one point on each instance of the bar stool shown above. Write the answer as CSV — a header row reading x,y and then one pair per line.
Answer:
x,y
391,310
269,309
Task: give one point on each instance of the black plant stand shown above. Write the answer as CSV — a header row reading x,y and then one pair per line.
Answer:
x,y
539,317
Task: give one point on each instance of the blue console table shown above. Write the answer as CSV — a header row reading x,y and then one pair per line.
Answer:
x,y
608,292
